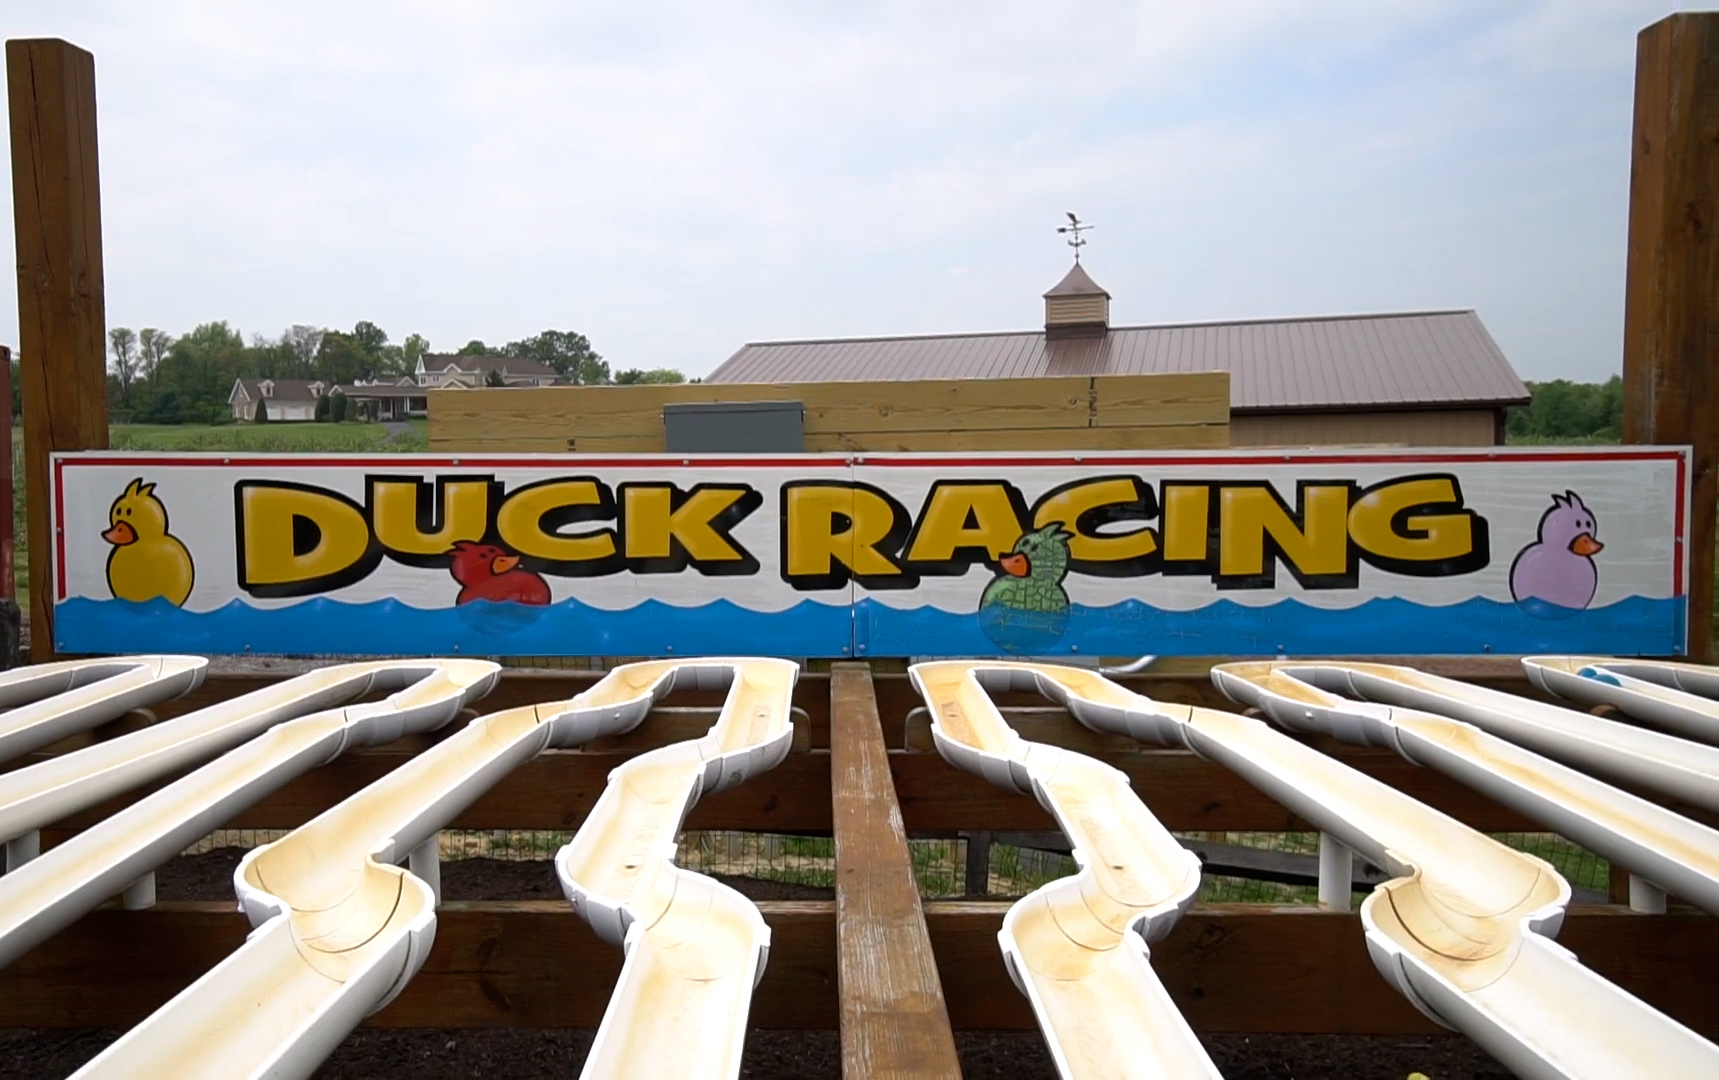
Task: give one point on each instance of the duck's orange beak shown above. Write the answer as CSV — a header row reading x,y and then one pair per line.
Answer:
x,y
503,563
1585,544
1014,564
121,534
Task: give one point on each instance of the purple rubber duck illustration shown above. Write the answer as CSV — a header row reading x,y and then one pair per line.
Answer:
x,y
1556,575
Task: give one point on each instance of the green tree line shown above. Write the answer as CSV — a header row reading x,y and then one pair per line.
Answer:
x,y
157,378
207,360
1564,411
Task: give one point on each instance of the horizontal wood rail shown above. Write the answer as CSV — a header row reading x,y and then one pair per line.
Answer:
x,y
1230,968
896,698
556,790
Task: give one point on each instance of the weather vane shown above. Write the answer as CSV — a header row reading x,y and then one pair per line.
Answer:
x,y
1074,228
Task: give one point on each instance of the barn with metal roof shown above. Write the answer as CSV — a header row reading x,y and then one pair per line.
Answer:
x,y
1424,378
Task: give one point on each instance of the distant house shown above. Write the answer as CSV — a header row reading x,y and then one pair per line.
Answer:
x,y
396,399
450,370
284,399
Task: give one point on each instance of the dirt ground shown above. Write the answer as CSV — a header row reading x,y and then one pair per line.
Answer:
x,y
395,1054
398,1054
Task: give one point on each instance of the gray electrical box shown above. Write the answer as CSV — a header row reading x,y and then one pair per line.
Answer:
x,y
734,427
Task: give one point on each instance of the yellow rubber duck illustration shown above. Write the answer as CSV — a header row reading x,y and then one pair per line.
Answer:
x,y
147,561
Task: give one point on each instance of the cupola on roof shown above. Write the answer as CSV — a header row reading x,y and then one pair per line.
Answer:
x,y
1076,306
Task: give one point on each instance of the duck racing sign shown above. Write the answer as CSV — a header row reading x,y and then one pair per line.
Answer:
x,y
1227,553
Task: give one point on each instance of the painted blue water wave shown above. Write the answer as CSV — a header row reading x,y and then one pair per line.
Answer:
x,y
1636,626
481,628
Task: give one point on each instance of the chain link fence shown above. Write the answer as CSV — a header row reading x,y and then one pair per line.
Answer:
x,y
941,866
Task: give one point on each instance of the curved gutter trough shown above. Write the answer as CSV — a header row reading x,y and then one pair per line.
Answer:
x,y
340,929
1664,848
55,889
44,703
695,948
1078,947
1462,929
1679,698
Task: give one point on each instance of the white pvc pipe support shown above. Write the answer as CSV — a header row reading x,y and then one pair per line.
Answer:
x,y
139,894
1336,873
1646,897
21,849
425,862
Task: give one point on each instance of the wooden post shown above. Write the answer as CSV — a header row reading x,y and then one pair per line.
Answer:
x,y
62,317
1671,308
893,1017
978,863
11,630
8,542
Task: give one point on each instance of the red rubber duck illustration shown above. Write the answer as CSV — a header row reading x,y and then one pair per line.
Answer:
x,y
488,572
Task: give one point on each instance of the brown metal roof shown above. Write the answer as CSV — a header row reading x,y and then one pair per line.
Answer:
x,y
1077,282
1441,358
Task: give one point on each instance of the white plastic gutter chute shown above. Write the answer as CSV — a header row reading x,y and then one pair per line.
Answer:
x,y
1636,756
1680,698
44,703
1667,849
50,790
50,892
1462,928
1078,947
695,948
340,929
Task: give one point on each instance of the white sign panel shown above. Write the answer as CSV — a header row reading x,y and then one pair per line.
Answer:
x,y
1223,553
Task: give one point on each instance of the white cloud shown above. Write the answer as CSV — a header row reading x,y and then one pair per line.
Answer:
x,y
674,180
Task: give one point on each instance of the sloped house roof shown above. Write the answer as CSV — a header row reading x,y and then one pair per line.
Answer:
x,y
402,387
483,364
277,389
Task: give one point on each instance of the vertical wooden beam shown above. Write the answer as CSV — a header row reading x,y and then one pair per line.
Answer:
x,y
978,863
8,542
894,1020
1617,885
62,316
10,622
1671,308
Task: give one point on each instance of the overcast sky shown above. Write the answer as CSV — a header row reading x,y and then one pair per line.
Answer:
x,y
674,179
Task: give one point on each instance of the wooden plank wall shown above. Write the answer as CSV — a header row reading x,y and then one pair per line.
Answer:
x,y
1671,325
1449,427
1103,412
62,320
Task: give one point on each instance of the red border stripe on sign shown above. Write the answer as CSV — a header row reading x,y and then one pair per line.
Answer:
x,y
60,527
657,461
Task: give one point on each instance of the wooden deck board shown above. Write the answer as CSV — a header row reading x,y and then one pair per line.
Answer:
x,y
893,1018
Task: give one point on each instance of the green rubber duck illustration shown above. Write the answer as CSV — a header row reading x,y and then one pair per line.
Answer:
x,y
1026,608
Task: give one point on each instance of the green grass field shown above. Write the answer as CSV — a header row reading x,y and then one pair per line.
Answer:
x,y
271,438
